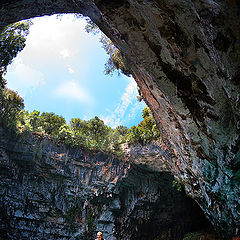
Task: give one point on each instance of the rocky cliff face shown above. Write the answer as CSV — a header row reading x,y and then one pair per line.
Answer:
x,y
46,190
185,58
53,192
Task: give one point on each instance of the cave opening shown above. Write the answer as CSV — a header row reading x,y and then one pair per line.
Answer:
x,y
62,69
161,209
171,214
194,140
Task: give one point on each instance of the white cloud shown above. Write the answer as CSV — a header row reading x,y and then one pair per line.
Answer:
x,y
135,108
54,43
71,90
128,100
70,70
65,53
112,120
24,77
51,38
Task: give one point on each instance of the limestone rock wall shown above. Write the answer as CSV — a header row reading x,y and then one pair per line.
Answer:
x,y
57,193
46,190
185,58
152,208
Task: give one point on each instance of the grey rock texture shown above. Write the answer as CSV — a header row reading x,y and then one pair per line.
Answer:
x,y
185,57
153,209
57,193
46,189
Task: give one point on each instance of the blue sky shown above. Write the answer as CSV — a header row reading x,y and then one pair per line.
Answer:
x,y
61,70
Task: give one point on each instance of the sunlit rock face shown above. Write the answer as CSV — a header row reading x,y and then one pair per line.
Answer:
x,y
57,193
185,57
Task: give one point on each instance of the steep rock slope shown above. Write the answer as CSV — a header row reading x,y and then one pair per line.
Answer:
x,y
55,192
185,58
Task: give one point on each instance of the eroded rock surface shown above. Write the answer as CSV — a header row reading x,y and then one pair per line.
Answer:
x,y
185,57
46,190
57,193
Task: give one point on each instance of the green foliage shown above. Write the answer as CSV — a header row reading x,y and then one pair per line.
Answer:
x,y
91,27
10,106
92,134
78,125
51,123
117,137
98,132
176,184
31,121
65,134
194,236
122,130
35,120
48,123
145,132
116,60
12,41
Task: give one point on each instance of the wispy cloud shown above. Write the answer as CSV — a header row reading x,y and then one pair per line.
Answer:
x,y
127,107
71,90
24,77
112,120
63,50
70,70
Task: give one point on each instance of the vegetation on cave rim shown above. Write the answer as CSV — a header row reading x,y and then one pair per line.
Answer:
x,y
12,41
116,61
92,134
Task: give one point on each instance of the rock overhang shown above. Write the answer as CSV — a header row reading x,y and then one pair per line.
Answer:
x,y
185,59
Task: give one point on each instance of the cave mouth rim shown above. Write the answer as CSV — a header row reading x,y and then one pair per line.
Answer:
x,y
82,21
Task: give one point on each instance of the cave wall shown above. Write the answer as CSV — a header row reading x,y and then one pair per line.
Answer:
x,y
153,208
185,58
46,190
54,192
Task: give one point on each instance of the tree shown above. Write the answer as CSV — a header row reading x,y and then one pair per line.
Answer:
x,y
79,126
92,134
134,135
146,131
122,130
146,113
35,120
98,132
12,41
116,60
51,123
10,106
65,134
80,133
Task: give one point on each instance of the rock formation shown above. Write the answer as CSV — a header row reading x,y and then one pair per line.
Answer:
x,y
57,193
185,58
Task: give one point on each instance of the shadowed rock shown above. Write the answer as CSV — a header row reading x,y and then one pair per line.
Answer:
x,y
184,56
